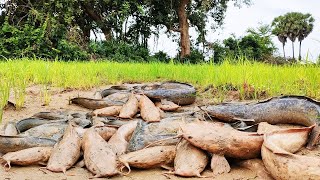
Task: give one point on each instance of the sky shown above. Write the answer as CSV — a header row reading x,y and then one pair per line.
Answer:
x,y
238,20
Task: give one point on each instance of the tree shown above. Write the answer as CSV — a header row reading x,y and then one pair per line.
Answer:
x,y
293,25
256,45
180,15
279,30
305,28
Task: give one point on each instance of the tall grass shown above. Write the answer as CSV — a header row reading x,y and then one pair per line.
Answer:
x,y
273,79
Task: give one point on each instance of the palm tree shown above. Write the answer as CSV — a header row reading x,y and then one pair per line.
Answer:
x,y
283,39
279,30
293,25
306,27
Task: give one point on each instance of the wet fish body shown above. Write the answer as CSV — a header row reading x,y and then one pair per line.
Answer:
x,y
16,143
189,161
147,133
95,103
179,93
53,131
30,156
220,138
277,155
298,110
50,115
149,112
279,110
29,123
149,157
98,156
119,141
66,153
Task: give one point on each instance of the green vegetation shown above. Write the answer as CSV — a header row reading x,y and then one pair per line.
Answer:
x,y
61,28
245,77
293,25
256,44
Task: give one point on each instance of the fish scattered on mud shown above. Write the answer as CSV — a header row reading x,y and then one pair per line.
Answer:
x,y
119,141
16,143
98,156
131,108
146,134
29,123
277,155
298,110
95,103
149,112
220,138
149,157
53,131
51,115
179,93
67,152
107,111
105,132
120,97
30,156
166,105
190,161
113,90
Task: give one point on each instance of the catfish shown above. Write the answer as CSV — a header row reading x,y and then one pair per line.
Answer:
x,y
166,105
299,110
119,141
16,143
107,111
220,138
149,157
30,156
67,152
149,112
130,109
277,155
98,156
190,161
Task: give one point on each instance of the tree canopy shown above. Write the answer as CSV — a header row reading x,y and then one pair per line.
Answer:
x,y
293,25
68,23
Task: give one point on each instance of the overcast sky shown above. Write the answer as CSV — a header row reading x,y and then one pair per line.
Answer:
x,y
237,21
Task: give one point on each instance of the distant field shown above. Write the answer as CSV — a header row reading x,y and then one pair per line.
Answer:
x,y
245,77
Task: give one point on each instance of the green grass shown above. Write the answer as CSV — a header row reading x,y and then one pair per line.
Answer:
x,y
270,79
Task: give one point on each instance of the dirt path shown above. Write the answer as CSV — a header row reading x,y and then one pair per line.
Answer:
x,y
59,101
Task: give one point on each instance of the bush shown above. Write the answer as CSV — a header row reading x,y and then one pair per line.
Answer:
x,y
118,51
161,56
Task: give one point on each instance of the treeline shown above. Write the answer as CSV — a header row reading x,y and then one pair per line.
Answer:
x,y
61,29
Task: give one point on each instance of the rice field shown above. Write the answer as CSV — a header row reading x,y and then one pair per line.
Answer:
x,y
16,75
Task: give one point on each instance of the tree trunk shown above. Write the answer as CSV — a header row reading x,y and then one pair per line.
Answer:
x,y
284,52
293,50
99,20
107,33
300,51
184,29
86,35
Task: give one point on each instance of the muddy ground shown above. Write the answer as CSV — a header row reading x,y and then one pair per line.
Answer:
x,y
59,101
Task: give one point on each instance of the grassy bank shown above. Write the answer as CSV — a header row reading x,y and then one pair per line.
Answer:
x,y
245,77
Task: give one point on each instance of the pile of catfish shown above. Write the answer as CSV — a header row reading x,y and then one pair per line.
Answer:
x,y
158,125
